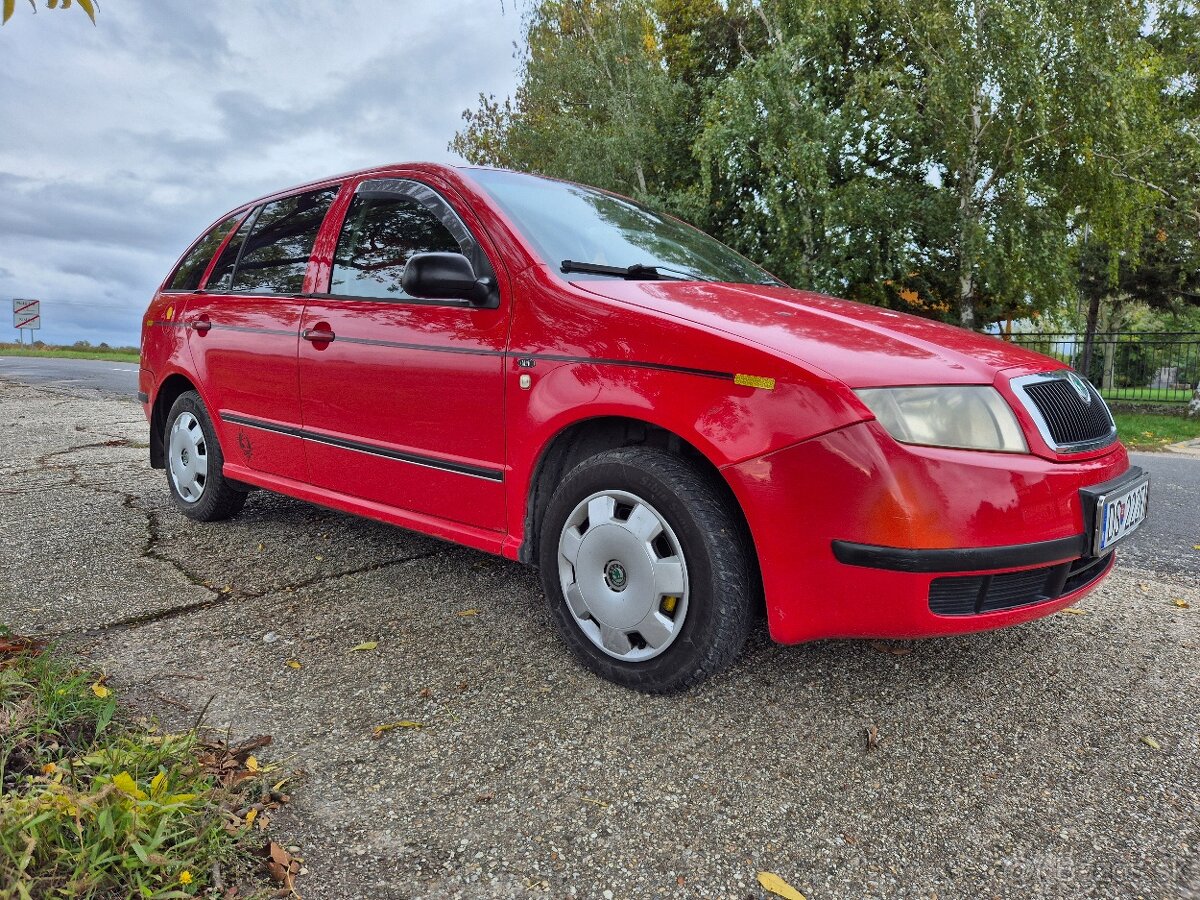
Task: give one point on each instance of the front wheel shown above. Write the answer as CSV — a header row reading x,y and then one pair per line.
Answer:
x,y
646,569
198,486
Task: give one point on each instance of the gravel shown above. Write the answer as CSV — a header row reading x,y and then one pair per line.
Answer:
x,y
1060,758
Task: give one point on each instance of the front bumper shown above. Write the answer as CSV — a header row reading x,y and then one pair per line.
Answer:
x,y
859,536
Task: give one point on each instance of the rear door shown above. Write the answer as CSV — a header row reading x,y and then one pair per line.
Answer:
x,y
243,329
403,398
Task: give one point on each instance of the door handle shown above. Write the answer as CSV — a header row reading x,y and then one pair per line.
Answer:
x,y
318,335
200,325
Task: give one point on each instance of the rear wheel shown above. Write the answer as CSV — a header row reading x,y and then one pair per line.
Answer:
x,y
646,570
198,486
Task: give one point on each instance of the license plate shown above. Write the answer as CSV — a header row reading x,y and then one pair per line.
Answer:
x,y
1118,514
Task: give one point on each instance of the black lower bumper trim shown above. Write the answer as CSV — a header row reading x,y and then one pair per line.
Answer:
x,y
143,397
966,559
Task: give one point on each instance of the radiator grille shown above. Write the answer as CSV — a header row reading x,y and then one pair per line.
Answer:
x,y
1071,421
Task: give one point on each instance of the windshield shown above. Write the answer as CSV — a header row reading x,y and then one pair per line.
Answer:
x,y
583,225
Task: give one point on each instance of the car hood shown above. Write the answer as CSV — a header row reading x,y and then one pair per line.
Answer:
x,y
863,346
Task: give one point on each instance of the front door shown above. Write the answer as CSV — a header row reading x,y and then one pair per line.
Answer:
x,y
243,329
402,398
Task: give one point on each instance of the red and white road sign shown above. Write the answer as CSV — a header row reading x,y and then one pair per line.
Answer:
x,y
27,314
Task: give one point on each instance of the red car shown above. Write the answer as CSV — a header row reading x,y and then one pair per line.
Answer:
x,y
674,437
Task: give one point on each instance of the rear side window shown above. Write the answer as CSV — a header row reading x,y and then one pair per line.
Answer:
x,y
379,235
275,256
222,273
189,272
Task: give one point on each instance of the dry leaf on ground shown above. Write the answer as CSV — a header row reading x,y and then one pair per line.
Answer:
x,y
365,645
380,730
774,884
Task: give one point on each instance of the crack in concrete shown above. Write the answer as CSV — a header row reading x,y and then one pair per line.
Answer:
x,y
225,598
150,549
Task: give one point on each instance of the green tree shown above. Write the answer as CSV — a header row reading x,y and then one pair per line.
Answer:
x,y
952,157
9,7
594,104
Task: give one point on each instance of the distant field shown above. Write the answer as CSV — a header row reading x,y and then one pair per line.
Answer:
x,y
118,354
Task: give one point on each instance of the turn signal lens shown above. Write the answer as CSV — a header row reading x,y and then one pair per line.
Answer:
x,y
967,417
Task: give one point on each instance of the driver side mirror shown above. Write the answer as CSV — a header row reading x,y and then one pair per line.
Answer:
x,y
448,276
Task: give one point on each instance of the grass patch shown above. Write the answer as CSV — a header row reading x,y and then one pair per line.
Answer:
x,y
115,354
1152,431
94,806
1147,395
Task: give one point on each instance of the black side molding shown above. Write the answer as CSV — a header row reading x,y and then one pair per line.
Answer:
x,y
966,559
143,397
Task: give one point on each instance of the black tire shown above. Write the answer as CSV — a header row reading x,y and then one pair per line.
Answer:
x,y
720,571
219,498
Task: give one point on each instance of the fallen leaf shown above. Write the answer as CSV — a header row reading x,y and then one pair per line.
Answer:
x,y
320,559
872,737
100,690
124,783
294,664
485,796
279,863
1151,742
250,817
365,645
599,803
252,763
1196,546
464,613
772,883
261,548
425,693
380,730
1181,603
893,649
1074,611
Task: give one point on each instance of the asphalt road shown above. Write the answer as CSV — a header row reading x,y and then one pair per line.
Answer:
x,y
116,379
1164,543
1055,759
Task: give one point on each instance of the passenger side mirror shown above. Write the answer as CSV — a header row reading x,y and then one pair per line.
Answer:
x,y
448,276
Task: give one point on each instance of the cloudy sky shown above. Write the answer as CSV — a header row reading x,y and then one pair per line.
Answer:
x,y
120,143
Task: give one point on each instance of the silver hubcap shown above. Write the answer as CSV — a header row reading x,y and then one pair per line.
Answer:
x,y
187,455
624,576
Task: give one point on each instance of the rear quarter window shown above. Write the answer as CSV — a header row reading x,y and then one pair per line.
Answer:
x,y
188,273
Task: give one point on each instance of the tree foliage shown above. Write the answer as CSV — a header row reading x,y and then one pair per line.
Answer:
x,y
967,159
8,7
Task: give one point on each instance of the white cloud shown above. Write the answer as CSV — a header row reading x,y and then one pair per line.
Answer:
x,y
119,143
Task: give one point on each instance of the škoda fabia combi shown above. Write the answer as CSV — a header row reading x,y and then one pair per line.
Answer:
x,y
674,437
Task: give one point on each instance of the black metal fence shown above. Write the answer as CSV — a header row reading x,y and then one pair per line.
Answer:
x,y
1128,365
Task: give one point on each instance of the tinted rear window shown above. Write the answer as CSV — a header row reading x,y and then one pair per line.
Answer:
x,y
275,257
189,272
222,273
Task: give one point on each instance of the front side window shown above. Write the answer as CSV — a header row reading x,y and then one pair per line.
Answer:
x,y
276,253
381,232
187,276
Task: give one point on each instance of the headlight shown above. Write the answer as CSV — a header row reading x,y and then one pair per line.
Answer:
x,y
966,417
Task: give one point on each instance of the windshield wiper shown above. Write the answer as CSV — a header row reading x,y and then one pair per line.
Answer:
x,y
636,272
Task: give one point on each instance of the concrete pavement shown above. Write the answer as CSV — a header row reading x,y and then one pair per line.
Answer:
x,y
1010,764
